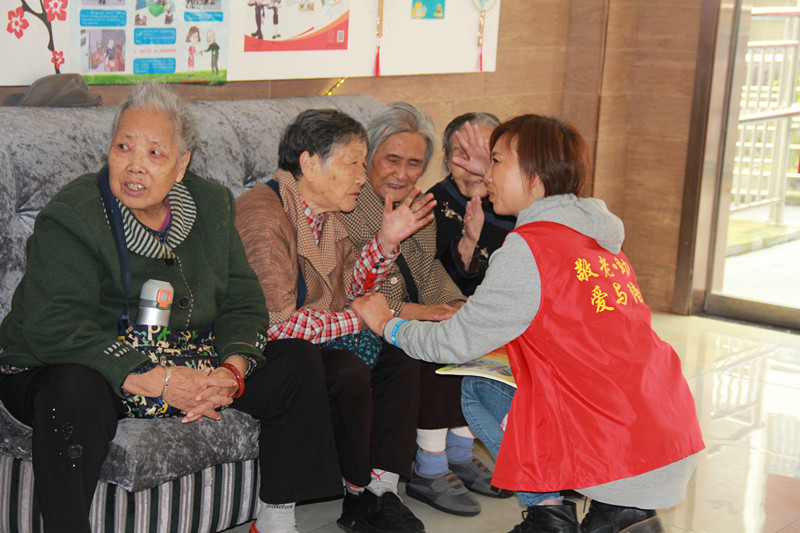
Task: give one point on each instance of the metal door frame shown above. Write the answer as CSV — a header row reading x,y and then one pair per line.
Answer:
x,y
709,155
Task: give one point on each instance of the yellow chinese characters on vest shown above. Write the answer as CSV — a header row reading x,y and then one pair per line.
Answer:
x,y
623,287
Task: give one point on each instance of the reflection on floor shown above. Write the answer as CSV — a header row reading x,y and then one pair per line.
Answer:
x,y
746,382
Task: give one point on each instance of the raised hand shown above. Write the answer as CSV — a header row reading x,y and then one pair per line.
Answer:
x,y
478,158
473,224
410,215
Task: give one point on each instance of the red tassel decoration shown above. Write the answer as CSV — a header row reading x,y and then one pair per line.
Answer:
x,y
379,33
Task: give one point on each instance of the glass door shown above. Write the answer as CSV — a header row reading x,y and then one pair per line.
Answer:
x,y
755,268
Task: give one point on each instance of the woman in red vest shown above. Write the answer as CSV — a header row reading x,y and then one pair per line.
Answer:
x,y
601,406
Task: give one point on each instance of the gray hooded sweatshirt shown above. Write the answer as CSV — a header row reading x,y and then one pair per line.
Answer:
x,y
503,307
507,300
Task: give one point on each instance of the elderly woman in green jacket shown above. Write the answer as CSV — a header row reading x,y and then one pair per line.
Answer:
x,y
75,358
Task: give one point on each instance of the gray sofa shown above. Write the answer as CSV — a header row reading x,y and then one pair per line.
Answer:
x,y
160,475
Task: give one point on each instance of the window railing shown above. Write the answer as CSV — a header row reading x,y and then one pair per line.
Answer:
x,y
768,143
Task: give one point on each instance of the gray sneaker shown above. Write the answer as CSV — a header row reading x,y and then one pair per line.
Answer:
x,y
444,492
478,478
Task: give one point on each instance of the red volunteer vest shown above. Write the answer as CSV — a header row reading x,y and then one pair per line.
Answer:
x,y
600,397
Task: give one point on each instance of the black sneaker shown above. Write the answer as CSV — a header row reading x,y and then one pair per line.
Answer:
x,y
393,502
607,518
368,513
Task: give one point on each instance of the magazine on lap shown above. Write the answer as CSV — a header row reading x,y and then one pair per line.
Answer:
x,y
493,365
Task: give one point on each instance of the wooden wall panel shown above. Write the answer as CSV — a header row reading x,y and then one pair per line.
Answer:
x,y
660,111
614,120
611,165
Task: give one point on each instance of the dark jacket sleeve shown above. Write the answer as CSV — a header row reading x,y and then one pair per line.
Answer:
x,y
241,325
70,258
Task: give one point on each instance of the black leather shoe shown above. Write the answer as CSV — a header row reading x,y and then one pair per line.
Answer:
x,y
368,513
607,518
549,519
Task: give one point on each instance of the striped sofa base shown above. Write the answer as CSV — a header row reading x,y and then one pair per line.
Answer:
x,y
215,499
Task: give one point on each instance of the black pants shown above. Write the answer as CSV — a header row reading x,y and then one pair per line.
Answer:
x,y
374,412
73,412
440,399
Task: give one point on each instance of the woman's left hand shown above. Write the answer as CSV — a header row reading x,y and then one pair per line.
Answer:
x,y
404,220
478,158
473,224
214,397
187,384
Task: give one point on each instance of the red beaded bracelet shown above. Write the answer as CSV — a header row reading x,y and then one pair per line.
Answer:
x,y
238,376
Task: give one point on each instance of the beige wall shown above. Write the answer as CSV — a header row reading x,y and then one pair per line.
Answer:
x,y
621,70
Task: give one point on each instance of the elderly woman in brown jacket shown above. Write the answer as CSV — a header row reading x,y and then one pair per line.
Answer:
x,y
313,281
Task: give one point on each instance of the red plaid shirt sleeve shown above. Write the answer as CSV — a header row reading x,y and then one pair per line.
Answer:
x,y
371,268
316,326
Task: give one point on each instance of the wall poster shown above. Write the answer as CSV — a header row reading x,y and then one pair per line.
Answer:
x,y
305,25
120,41
213,41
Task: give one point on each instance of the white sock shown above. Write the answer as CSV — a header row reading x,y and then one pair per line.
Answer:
x,y
383,481
463,431
355,490
276,518
432,440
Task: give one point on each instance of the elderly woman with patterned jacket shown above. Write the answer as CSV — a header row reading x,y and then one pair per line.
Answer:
x,y
467,229
314,283
401,140
64,368
588,412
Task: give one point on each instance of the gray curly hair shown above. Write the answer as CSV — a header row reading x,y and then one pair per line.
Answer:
x,y
400,117
159,97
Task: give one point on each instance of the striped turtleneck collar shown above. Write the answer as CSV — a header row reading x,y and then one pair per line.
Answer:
x,y
183,213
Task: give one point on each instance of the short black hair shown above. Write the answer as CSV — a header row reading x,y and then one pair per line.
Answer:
x,y
316,131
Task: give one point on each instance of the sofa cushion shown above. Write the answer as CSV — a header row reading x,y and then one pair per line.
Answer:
x,y
148,452
15,437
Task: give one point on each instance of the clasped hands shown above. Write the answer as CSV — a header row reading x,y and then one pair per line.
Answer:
x,y
197,393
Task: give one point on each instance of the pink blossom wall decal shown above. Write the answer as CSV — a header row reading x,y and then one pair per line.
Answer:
x,y
17,24
56,9
48,11
58,58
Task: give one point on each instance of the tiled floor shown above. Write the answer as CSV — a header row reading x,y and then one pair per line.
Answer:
x,y
762,274
746,382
